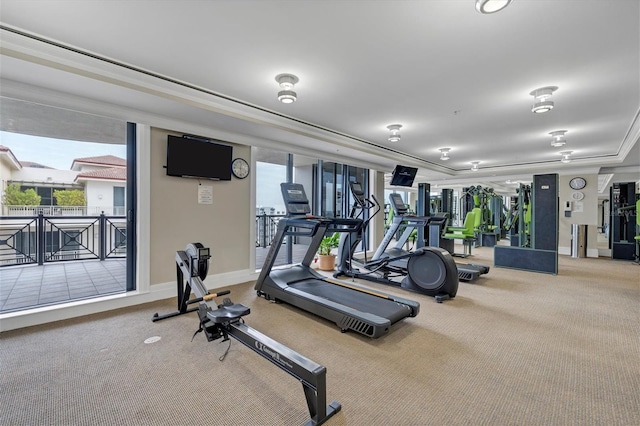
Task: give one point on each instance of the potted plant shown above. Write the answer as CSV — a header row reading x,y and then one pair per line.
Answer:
x,y
326,259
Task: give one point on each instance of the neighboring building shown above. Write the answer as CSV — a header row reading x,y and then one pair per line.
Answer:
x,y
102,178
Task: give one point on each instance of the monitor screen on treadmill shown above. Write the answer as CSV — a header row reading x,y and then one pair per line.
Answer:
x,y
398,203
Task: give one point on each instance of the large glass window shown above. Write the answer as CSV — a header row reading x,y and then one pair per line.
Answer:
x,y
44,161
328,193
336,200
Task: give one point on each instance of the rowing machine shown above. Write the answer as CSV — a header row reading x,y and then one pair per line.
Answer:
x,y
225,320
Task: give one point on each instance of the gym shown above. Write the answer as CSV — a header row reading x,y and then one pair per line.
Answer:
x,y
525,121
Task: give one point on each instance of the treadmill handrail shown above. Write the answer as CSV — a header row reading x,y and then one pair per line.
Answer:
x,y
344,224
310,224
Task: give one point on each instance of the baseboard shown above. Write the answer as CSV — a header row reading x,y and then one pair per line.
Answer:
x,y
593,252
567,252
604,252
79,308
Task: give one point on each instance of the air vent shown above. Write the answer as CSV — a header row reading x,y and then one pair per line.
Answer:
x,y
349,323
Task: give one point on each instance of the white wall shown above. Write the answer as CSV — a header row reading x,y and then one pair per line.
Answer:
x,y
178,218
30,175
99,194
584,212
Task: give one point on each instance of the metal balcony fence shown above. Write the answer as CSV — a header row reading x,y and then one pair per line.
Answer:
x,y
266,227
46,238
64,210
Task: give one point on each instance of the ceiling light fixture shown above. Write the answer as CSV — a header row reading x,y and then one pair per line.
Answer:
x,y
558,139
491,6
394,136
444,153
566,156
474,166
541,103
286,82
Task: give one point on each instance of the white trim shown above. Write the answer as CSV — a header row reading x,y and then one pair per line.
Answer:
x,y
143,207
604,252
567,252
592,252
252,216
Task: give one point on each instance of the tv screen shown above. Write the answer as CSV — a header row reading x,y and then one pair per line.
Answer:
x,y
403,175
198,158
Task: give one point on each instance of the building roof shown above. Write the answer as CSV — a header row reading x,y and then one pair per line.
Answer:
x,y
34,165
111,173
101,160
5,151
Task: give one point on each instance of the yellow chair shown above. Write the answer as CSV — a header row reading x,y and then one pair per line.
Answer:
x,y
477,223
466,234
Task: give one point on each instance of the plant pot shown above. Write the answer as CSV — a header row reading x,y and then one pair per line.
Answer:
x,y
326,262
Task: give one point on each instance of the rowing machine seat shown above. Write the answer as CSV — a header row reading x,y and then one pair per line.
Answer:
x,y
225,314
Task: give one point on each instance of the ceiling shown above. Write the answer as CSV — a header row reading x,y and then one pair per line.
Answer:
x,y
451,76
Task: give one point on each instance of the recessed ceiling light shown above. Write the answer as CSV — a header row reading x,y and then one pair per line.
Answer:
x,y
474,166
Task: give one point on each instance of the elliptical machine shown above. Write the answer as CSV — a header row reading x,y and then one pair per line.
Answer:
x,y
427,270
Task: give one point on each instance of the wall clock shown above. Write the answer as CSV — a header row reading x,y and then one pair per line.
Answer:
x,y
240,168
577,183
578,196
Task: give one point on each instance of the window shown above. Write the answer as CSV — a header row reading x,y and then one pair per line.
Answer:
x,y
118,200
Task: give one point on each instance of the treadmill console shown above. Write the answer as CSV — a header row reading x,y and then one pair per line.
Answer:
x,y
295,199
398,204
358,192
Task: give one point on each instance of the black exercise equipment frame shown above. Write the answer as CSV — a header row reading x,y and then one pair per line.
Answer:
x,y
398,263
226,321
349,306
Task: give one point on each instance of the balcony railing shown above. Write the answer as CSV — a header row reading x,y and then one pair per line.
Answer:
x,y
266,227
48,238
64,210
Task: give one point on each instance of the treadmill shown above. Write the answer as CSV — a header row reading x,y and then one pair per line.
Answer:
x,y
349,306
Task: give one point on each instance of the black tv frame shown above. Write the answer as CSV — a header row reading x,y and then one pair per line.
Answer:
x,y
200,158
403,175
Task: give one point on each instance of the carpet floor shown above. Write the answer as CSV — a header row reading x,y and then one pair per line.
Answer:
x,y
512,348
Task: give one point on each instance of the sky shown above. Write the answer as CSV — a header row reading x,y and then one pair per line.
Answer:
x,y
268,185
56,153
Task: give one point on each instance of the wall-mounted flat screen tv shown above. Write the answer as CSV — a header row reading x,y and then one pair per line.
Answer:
x,y
403,175
198,158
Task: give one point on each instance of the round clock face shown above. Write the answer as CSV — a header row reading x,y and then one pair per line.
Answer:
x,y
578,196
577,183
240,168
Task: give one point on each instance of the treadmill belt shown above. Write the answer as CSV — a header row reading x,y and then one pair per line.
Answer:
x,y
363,302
